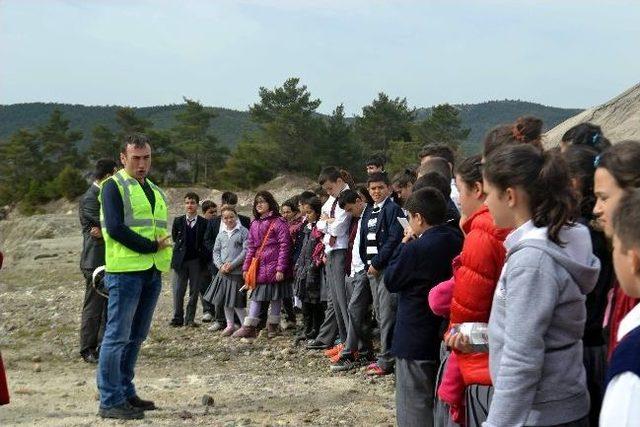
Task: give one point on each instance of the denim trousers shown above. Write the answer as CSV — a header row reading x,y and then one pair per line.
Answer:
x,y
132,300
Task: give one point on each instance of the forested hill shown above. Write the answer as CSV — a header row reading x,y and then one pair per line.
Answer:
x,y
229,125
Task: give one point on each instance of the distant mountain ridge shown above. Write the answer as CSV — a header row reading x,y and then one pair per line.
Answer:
x,y
229,125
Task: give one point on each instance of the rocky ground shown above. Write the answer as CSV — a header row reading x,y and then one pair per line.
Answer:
x,y
193,375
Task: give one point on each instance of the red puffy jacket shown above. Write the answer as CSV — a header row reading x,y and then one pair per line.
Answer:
x,y
481,261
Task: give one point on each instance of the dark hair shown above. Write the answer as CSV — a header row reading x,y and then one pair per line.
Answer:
x,y
435,180
470,170
208,204
586,134
405,178
376,160
436,164
364,192
314,203
304,196
528,130
137,139
193,196
229,198
626,220
332,174
378,177
320,192
104,167
580,159
543,176
622,161
429,203
271,201
438,150
292,203
497,137
348,197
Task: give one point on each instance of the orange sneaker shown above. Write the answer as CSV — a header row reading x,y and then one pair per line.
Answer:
x,y
334,350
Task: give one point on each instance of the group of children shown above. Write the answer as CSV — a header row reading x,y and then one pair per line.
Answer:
x,y
490,285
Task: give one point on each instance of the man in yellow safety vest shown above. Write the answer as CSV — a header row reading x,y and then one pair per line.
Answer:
x,y
133,217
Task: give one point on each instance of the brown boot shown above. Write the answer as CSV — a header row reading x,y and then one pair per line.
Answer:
x,y
273,326
248,331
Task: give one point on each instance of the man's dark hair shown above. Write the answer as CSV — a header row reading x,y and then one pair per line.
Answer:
x,y
378,177
104,167
429,203
626,220
436,164
435,180
438,150
137,139
208,204
376,161
193,196
305,195
229,198
348,197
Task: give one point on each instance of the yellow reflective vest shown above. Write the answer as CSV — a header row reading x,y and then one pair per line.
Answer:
x,y
139,217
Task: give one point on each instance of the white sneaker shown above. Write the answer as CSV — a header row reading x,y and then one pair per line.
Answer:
x,y
216,326
207,318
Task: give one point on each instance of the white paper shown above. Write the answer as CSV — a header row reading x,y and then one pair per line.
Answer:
x,y
403,222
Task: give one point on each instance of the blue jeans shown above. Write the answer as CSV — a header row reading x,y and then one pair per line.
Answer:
x,y
132,300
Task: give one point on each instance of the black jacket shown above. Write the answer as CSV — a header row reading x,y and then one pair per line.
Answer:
x,y
178,234
417,267
211,233
92,247
389,233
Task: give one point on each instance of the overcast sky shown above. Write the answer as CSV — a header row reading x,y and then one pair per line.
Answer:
x,y
140,53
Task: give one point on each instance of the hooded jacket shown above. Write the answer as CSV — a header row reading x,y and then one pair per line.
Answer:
x,y
481,262
275,256
536,325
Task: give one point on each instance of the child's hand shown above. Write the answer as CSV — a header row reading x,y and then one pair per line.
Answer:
x,y
408,235
279,276
458,341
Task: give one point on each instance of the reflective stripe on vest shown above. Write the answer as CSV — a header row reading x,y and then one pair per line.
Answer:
x,y
149,224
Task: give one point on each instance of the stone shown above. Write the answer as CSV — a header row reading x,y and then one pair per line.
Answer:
x,y
37,368
208,400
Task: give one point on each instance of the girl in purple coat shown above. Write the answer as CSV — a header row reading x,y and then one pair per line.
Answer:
x,y
273,265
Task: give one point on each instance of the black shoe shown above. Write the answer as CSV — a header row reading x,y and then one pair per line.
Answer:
x,y
175,323
346,362
145,405
122,412
90,357
316,345
192,324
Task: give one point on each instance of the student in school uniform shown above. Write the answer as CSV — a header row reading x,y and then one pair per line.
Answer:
x,y
620,406
417,265
381,233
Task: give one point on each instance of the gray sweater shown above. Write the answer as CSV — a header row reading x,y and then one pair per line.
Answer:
x,y
231,248
535,329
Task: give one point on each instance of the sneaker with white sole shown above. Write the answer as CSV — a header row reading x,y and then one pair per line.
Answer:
x,y
217,326
207,317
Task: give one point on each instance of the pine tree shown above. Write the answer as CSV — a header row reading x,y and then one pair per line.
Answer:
x,y
442,126
59,145
383,121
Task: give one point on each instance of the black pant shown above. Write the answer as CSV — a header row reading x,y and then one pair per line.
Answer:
x,y
313,316
94,315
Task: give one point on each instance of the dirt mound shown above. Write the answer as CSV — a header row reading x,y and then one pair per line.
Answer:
x,y
619,119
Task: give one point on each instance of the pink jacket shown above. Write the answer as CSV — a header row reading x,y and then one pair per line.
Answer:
x,y
276,253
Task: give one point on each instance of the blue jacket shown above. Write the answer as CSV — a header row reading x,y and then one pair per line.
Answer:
x,y
389,233
416,267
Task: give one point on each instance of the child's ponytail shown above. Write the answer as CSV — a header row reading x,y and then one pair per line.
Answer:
x,y
346,177
545,179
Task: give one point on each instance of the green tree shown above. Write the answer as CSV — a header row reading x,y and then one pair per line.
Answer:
x,y
340,147
59,145
201,149
442,126
252,163
383,121
402,154
129,122
288,120
70,183
103,144
21,161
